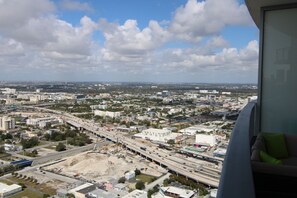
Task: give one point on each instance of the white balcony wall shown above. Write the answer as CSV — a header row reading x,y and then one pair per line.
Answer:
x,y
279,72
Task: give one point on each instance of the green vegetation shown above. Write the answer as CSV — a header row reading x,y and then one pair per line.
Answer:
x,y
29,143
26,193
7,169
88,116
137,171
76,108
75,137
122,180
2,150
150,192
139,185
187,182
60,147
145,178
32,183
171,142
34,153
5,136
70,195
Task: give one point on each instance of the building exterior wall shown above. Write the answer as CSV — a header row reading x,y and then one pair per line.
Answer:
x,y
7,123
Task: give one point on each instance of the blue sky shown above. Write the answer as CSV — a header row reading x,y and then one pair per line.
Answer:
x,y
208,41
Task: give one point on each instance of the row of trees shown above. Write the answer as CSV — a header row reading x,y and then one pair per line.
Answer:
x,y
34,153
150,192
61,147
29,143
7,169
75,138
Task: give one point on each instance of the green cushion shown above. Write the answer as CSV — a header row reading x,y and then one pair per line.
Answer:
x,y
276,145
269,159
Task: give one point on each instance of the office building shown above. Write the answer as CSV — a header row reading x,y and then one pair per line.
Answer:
x,y
7,123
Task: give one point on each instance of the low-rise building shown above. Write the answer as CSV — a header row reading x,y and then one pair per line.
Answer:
x,y
197,129
82,190
162,135
99,193
220,152
107,113
205,140
175,192
100,106
136,194
7,123
130,175
42,122
10,147
7,190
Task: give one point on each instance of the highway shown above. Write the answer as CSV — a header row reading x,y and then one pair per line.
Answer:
x,y
172,163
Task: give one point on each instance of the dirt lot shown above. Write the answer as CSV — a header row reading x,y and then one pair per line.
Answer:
x,y
103,167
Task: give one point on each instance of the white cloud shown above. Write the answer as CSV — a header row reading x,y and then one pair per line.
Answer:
x,y
14,13
195,60
37,39
127,42
9,47
197,19
75,5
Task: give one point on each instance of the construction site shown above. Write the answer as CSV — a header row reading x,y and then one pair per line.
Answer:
x,y
106,164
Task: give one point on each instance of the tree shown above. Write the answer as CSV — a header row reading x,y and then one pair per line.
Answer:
x,y
171,142
139,185
70,195
152,191
60,147
137,172
35,152
29,143
2,149
22,185
166,182
122,180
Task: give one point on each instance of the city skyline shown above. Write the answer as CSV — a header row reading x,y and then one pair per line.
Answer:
x,y
115,41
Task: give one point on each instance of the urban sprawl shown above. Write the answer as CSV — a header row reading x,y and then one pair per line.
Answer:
x,y
108,140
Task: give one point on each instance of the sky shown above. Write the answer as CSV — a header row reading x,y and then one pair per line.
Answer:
x,y
208,41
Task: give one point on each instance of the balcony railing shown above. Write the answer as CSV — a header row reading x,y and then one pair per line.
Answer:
x,y
237,177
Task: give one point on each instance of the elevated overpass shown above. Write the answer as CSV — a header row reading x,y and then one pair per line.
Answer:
x,y
173,164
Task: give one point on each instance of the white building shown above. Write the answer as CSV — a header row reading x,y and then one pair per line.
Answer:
x,y
100,106
136,194
7,123
10,101
99,193
107,114
137,128
10,147
171,191
220,152
213,193
208,140
197,129
41,122
76,191
130,175
8,91
7,190
34,98
162,135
